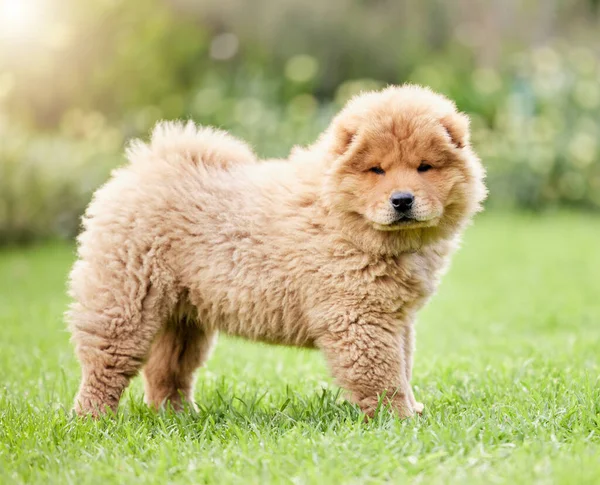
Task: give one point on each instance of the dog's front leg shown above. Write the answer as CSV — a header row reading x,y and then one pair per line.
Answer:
x,y
366,358
407,343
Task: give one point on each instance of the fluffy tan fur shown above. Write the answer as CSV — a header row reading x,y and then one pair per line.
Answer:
x,y
196,236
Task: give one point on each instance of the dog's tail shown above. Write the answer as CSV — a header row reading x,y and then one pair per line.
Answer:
x,y
179,142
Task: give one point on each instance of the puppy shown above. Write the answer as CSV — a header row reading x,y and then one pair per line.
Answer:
x,y
336,248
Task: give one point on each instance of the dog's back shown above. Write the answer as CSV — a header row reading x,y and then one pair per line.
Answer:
x,y
178,142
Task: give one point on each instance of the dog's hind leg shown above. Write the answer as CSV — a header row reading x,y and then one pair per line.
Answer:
x,y
181,347
114,320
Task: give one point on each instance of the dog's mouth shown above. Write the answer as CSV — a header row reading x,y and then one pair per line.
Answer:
x,y
407,222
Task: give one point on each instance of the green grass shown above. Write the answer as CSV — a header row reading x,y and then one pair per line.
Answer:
x,y
507,366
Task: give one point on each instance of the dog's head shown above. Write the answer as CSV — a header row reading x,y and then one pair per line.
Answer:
x,y
400,159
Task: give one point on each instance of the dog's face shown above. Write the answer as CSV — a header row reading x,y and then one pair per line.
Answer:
x,y
403,161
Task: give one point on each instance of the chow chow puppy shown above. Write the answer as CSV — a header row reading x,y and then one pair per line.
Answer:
x,y
336,248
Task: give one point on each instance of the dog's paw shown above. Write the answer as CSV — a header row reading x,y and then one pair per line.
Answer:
x,y
90,405
418,407
397,405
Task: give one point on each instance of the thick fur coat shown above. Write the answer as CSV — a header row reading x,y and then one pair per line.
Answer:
x,y
196,236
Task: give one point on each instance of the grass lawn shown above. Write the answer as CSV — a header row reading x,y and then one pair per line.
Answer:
x,y
508,366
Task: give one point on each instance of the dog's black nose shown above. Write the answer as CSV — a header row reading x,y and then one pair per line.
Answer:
x,y
402,201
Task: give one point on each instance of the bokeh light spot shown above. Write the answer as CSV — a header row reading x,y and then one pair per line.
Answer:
x,y
224,46
301,68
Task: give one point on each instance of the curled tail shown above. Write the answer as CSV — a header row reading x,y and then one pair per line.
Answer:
x,y
186,142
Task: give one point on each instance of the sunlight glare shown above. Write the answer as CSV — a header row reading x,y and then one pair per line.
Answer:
x,y
19,19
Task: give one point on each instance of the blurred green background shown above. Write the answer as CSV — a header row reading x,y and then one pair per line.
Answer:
x,y
78,79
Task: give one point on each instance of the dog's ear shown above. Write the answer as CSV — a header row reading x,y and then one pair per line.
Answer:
x,y
344,131
345,136
457,127
350,150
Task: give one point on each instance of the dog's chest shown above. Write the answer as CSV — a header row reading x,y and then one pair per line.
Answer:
x,y
404,283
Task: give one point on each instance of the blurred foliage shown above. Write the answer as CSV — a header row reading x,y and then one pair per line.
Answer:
x,y
78,79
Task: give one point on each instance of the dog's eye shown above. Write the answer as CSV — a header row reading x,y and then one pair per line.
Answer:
x,y
424,167
377,170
